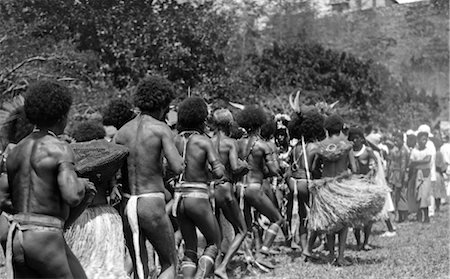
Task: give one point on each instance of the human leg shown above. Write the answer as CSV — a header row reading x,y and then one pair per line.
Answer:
x,y
155,225
357,233
200,212
47,254
367,230
189,233
340,260
256,198
230,208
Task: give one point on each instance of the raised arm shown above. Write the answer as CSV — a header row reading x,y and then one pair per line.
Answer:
x,y
72,189
174,159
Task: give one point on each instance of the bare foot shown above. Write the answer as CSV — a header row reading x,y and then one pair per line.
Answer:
x,y
341,262
310,257
367,247
221,273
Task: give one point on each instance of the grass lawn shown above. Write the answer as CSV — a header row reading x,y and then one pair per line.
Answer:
x,y
418,251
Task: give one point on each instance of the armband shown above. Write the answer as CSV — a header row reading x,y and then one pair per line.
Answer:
x,y
217,165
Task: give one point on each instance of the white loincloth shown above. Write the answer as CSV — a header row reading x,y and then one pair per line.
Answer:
x,y
131,211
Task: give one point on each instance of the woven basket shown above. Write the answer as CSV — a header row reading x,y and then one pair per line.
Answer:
x,y
98,158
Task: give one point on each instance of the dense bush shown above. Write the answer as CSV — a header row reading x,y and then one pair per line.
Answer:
x,y
103,48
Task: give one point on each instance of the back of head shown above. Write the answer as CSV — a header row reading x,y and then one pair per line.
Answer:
x,y
308,125
333,124
268,129
87,131
192,114
223,119
47,102
117,113
251,118
153,94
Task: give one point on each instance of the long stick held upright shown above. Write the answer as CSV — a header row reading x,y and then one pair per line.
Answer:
x,y
308,176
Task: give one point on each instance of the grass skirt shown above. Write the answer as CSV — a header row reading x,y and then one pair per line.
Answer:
x,y
96,238
344,201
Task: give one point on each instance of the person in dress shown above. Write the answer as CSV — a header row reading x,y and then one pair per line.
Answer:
x,y
398,163
419,188
96,237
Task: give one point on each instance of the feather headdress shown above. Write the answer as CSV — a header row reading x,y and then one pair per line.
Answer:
x,y
13,123
322,107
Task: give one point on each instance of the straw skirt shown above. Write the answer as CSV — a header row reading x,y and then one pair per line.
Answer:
x,y
96,238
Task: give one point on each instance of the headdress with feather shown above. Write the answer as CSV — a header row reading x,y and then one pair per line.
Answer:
x,y
322,107
13,123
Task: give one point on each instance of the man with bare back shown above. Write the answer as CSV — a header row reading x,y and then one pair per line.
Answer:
x,y
224,192
148,139
42,190
259,156
192,204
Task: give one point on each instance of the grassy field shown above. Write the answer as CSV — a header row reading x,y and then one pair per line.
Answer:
x,y
418,251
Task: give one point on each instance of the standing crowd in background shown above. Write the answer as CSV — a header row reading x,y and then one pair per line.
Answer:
x,y
191,185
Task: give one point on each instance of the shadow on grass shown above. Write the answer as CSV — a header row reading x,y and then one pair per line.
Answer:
x,y
367,261
354,247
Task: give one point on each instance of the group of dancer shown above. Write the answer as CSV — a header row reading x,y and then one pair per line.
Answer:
x,y
307,176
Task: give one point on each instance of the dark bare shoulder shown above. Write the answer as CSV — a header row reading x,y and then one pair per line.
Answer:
x,y
60,150
264,147
201,140
124,131
229,142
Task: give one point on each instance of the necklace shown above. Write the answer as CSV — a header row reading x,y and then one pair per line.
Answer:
x,y
48,132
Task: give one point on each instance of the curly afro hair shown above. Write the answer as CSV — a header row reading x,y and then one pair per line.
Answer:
x,y
46,102
88,130
268,129
333,124
192,114
236,132
117,113
251,118
354,132
309,125
154,93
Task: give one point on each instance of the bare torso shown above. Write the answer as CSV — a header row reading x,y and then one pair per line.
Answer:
x,y
342,163
33,167
226,148
148,140
297,159
258,154
200,152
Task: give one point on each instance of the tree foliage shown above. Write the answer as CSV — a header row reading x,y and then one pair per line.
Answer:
x,y
243,53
